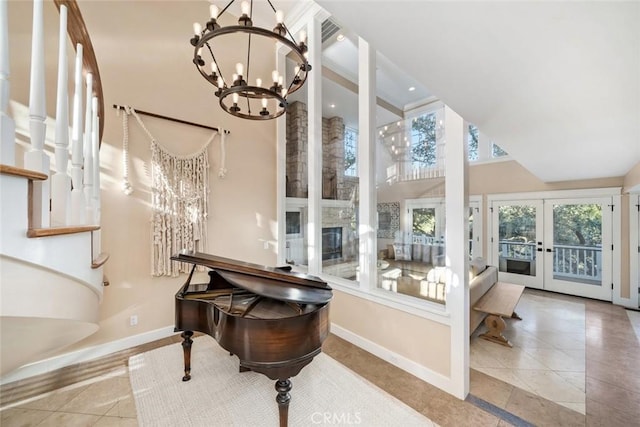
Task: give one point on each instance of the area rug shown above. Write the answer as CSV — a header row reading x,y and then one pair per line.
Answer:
x,y
324,393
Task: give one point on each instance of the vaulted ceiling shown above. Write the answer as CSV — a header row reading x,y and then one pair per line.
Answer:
x,y
556,84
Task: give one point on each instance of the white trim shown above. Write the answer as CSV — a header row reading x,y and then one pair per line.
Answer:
x,y
85,354
434,378
556,194
634,244
616,240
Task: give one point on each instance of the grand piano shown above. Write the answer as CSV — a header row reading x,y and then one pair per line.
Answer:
x,y
274,320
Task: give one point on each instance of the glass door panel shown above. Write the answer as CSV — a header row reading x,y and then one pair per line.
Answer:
x,y
578,251
517,241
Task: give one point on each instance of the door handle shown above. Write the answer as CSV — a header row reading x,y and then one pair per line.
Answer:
x,y
539,249
550,250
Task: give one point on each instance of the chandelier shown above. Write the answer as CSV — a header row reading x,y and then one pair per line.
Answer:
x,y
240,93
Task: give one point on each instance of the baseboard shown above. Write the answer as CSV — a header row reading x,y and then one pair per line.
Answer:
x,y
420,371
84,355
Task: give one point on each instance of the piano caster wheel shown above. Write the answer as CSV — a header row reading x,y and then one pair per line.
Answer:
x,y
186,377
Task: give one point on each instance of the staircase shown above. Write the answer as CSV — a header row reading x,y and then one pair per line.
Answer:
x,y
51,276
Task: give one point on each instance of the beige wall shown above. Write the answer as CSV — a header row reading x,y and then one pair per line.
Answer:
x,y
420,340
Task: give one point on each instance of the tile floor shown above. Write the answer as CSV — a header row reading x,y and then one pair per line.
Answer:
x,y
610,348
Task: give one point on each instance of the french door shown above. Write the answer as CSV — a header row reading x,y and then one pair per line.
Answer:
x,y
517,241
578,247
560,245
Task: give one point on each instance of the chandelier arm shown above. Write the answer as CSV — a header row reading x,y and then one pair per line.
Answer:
x,y
248,60
225,9
270,4
215,60
248,57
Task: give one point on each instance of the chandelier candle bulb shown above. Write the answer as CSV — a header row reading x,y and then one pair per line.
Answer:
x,y
279,16
236,98
197,29
214,67
264,102
213,10
244,6
239,69
259,82
303,37
274,76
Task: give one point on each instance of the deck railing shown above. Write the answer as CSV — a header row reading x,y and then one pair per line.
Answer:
x,y
576,262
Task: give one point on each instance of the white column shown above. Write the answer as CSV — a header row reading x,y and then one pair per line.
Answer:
x,y
88,151
367,162
36,159
61,180
314,111
7,125
457,232
78,204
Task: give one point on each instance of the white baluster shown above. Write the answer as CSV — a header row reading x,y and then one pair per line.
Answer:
x,y
61,180
78,204
96,160
7,125
88,151
36,159
97,235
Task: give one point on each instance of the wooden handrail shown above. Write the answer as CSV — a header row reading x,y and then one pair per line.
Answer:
x,y
78,34
58,231
100,260
24,173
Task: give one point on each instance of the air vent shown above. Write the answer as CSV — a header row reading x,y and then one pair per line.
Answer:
x,y
329,28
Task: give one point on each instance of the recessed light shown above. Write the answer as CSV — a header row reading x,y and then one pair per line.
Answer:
x,y
412,88
333,105
340,37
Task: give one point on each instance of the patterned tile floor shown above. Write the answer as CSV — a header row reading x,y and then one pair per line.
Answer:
x,y
568,372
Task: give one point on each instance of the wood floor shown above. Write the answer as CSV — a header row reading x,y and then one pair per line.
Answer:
x,y
98,393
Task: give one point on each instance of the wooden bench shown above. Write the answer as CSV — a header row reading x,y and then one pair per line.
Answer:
x,y
500,301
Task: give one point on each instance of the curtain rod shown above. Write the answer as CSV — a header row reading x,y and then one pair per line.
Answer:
x,y
159,116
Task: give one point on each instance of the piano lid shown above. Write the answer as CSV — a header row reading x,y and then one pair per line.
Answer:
x,y
271,282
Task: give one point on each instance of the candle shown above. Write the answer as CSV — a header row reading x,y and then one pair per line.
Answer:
x,y
245,8
197,29
213,9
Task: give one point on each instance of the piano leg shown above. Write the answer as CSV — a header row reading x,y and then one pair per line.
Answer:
x,y
283,387
186,348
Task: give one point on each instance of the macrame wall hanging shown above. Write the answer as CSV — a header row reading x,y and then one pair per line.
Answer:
x,y
179,200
